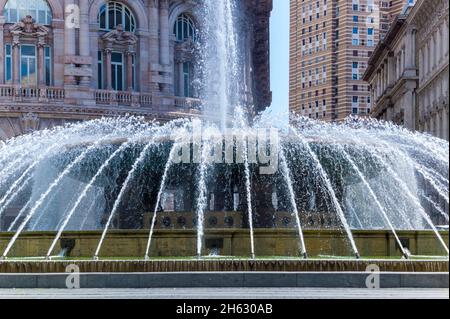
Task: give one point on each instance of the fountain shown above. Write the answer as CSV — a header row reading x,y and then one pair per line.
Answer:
x,y
229,186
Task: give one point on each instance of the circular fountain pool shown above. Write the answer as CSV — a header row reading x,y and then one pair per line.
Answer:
x,y
127,188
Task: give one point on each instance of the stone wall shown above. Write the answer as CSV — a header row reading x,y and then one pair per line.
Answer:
x,y
230,242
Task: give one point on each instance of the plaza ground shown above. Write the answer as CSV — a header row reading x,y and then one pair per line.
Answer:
x,y
225,293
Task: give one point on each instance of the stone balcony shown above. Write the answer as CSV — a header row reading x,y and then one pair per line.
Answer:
x,y
55,102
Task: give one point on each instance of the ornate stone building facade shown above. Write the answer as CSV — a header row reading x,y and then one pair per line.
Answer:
x,y
71,60
408,73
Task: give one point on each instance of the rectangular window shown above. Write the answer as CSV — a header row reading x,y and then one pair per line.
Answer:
x,y
370,31
355,30
117,73
8,63
28,67
355,18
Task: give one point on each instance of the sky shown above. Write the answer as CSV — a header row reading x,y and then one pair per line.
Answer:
x,y
279,60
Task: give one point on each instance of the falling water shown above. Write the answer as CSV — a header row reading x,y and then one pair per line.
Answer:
x,y
202,198
220,60
83,194
414,199
329,187
19,215
130,176
375,198
158,199
289,183
441,189
5,203
436,206
386,180
44,196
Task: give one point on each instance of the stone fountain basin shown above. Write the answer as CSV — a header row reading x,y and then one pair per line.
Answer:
x,y
175,244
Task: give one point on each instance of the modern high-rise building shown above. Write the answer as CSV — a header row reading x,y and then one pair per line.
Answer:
x,y
331,42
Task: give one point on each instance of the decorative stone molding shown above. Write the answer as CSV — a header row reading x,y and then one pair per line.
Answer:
x,y
120,37
185,51
28,27
29,122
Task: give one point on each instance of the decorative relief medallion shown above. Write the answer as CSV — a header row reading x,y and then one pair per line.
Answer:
x,y
29,122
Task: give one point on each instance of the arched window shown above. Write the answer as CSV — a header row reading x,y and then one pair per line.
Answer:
x,y
184,28
16,10
115,13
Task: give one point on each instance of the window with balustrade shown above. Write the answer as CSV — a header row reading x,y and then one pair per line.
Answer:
x,y
117,57
27,43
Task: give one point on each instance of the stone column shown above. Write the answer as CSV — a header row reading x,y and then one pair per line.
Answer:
x,y
378,85
154,44
408,53
412,48
41,64
107,66
69,44
391,70
433,125
58,52
84,40
164,31
386,75
425,62
16,59
129,55
446,37
397,67
154,31
2,51
437,54
438,124
432,53
403,61
445,127
420,65
181,78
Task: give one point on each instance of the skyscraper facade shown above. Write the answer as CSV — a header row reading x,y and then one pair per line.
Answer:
x,y
331,42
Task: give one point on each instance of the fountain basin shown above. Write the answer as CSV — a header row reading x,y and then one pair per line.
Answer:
x,y
235,243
